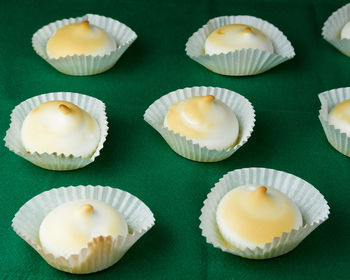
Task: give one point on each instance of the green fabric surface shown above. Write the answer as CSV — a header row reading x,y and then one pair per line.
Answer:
x,y
288,135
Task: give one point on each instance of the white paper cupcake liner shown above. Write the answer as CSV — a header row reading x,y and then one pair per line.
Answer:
x,y
243,109
312,205
333,26
102,252
241,62
93,106
340,141
81,65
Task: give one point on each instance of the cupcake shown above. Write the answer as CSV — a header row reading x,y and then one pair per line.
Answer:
x,y
335,118
336,29
239,46
250,216
82,46
203,124
239,214
58,131
82,229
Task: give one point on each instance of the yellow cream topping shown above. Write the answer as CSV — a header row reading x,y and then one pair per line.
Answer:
x,y
234,37
255,215
196,111
78,39
61,127
71,226
342,111
205,120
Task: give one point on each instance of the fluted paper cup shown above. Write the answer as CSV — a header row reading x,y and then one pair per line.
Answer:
x,y
310,201
157,111
82,65
332,28
13,141
241,62
102,251
339,140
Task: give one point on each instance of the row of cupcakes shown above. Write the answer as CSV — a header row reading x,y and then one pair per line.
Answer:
x,y
60,44
247,58
39,221
20,133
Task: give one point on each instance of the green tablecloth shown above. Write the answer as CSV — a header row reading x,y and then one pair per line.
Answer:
x,y
288,135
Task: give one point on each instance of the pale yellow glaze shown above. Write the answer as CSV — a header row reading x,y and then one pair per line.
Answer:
x,y
205,120
196,109
69,227
342,111
86,209
249,30
255,216
60,127
77,39
234,37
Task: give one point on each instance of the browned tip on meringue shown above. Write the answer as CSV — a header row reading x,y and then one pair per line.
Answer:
x,y
64,109
84,24
208,98
247,30
86,209
259,192
220,31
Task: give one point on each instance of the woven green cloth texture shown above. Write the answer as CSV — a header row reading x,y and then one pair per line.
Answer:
x,y
288,135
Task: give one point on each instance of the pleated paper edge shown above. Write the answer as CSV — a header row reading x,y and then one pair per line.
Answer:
x,y
92,105
264,176
338,140
223,63
83,262
85,65
186,147
332,28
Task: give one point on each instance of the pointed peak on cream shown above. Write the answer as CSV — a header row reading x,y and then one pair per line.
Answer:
x,y
57,105
64,109
204,100
208,98
86,209
259,196
247,30
260,191
84,24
